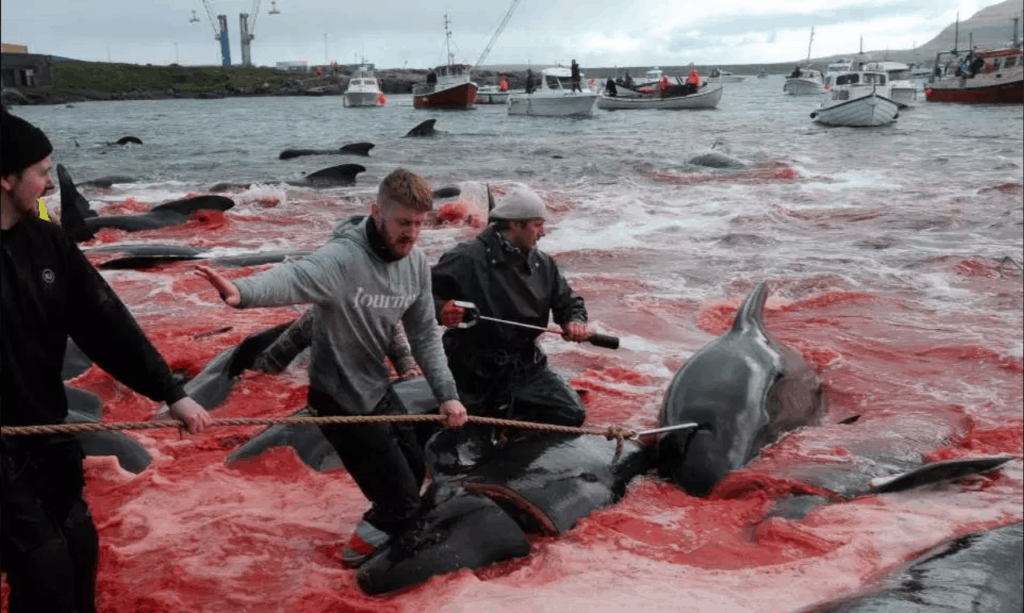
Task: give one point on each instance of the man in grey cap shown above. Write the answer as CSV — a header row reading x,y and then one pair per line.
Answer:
x,y
500,370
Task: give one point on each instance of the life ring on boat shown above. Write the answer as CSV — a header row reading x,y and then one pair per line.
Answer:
x,y
382,99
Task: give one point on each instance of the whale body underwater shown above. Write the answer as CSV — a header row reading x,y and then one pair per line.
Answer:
x,y
82,223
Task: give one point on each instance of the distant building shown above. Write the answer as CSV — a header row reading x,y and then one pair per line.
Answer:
x,y
25,70
298,66
12,48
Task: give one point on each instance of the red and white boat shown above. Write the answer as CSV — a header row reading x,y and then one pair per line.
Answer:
x,y
986,77
447,86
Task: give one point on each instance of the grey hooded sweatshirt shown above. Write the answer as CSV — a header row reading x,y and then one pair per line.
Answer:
x,y
358,299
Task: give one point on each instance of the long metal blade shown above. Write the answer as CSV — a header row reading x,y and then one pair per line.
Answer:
x,y
516,323
686,426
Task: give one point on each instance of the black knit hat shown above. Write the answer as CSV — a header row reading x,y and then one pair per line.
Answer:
x,y
23,144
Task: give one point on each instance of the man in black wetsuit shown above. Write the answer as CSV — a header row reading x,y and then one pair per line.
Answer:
x,y
48,543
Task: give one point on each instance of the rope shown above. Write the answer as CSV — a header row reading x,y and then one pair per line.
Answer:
x,y
611,432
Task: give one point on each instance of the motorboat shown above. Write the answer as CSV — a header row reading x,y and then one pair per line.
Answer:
x,y
706,97
903,90
805,81
724,76
763,74
995,76
554,96
857,99
448,85
363,89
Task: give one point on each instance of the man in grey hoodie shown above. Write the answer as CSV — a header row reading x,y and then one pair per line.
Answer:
x,y
362,283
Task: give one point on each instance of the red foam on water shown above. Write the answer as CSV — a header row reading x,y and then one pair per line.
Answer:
x,y
453,212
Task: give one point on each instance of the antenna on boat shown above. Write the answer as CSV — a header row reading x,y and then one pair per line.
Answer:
x,y
956,36
448,39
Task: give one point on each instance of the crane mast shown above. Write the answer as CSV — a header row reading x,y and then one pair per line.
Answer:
x,y
497,33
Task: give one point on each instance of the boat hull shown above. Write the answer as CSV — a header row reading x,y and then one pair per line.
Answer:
x,y
803,87
583,105
904,96
492,97
458,96
866,111
362,98
959,90
700,100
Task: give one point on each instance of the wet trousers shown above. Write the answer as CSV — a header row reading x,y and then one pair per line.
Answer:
x,y
48,543
385,460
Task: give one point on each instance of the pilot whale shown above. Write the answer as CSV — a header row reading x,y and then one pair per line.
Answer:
x,y
351,149
744,390
335,176
86,407
82,223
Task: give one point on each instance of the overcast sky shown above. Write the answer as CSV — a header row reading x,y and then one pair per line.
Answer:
x,y
411,32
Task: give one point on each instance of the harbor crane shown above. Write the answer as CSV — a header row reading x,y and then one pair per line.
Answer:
x,y
497,33
246,30
219,35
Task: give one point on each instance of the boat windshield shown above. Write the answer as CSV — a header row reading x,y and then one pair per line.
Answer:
x,y
562,82
451,70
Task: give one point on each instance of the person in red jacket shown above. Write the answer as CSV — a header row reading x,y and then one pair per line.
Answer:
x,y
693,81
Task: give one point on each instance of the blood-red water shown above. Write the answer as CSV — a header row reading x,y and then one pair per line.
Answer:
x,y
898,296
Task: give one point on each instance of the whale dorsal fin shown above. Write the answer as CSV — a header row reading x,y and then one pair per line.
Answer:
x,y
751,312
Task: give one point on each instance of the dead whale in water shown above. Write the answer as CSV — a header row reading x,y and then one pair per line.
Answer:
x,y
82,223
86,407
335,176
978,572
744,389
351,149
537,482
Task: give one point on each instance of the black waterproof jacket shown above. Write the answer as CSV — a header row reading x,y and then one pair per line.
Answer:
x,y
510,286
49,291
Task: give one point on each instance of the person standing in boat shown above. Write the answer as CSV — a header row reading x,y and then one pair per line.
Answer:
x,y
366,280
693,81
49,547
575,77
500,369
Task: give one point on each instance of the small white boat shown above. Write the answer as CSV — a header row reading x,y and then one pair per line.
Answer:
x,y
724,76
804,82
706,97
904,91
363,89
857,99
491,94
554,97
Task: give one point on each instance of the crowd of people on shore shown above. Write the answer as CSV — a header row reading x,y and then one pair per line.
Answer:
x,y
365,285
